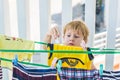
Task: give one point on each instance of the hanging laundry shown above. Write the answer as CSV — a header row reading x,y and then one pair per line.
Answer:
x,y
24,72
12,43
0,72
78,74
111,75
72,60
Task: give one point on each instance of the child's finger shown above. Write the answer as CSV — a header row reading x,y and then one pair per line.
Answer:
x,y
55,34
54,31
57,31
83,44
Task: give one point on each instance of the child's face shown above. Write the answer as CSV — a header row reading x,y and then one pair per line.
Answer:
x,y
72,38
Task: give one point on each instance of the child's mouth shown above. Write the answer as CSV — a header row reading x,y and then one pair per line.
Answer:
x,y
71,44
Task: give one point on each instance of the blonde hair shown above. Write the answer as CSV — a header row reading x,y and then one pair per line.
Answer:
x,y
77,26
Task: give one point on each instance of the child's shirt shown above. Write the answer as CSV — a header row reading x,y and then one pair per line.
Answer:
x,y
71,60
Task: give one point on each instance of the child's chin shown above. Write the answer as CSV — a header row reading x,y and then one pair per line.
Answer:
x,y
71,45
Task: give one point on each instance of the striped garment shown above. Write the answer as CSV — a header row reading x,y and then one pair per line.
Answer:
x,y
79,74
111,75
0,73
22,72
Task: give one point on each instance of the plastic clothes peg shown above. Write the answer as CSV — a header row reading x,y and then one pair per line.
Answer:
x,y
15,60
101,69
59,65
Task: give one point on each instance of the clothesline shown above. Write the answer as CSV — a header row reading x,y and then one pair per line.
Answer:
x,y
90,48
97,73
67,51
28,63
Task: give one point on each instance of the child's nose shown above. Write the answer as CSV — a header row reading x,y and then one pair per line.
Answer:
x,y
71,38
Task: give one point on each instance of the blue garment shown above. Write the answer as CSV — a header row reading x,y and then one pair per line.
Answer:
x,y
22,72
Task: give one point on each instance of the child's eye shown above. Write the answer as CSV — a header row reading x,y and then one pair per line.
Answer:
x,y
68,35
76,36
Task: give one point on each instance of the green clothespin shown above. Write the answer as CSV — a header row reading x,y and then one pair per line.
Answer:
x,y
101,70
59,65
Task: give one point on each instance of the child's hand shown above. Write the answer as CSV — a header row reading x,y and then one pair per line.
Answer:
x,y
54,31
53,64
83,44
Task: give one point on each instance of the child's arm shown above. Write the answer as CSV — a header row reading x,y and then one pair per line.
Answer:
x,y
47,39
93,66
52,34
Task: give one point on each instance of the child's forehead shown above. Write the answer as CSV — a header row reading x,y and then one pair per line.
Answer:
x,y
73,30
